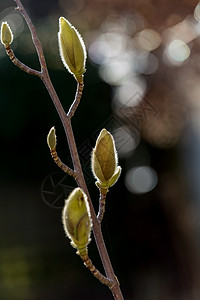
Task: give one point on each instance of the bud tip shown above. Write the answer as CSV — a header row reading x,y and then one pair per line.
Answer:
x,y
51,138
6,34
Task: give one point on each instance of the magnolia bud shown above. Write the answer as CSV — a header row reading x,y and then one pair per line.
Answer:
x,y
51,138
104,160
76,219
6,34
72,49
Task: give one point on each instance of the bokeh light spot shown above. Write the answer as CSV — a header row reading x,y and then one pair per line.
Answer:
x,y
140,180
98,52
178,50
117,70
147,63
197,12
131,92
126,141
108,46
148,39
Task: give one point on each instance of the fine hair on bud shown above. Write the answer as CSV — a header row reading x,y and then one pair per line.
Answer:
x,y
76,219
72,48
104,157
6,34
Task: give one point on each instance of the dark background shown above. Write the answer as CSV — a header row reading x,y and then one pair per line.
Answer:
x,y
152,237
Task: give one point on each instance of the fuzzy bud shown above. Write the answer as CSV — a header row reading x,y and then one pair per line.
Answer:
x,y
76,219
72,49
51,138
6,34
105,160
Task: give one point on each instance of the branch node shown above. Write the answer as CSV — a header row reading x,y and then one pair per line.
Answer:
x,y
88,263
19,64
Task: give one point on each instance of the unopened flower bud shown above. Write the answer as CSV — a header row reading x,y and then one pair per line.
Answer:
x,y
72,49
6,34
76,219
105,160
51,138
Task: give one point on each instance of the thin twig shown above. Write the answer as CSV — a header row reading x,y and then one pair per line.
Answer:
x,y
58,161
88,263
77,99
102,203
66,121
19,64
34,36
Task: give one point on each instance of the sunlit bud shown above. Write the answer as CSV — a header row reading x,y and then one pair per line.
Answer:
x,y
105,160
6,34
51,138
72,49
76,219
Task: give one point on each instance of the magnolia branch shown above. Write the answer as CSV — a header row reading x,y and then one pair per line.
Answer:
x,y
66,121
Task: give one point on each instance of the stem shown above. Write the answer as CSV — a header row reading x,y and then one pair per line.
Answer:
x,y
96,225
66,121
88,263
58,161
19,64
102,203
82,184
34,35
77,99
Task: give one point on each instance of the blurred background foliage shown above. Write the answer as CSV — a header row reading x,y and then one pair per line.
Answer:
x,y
142,84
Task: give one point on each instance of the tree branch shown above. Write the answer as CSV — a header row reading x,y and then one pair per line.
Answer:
x,y
61,165
88,263
19,64
34,36
66,121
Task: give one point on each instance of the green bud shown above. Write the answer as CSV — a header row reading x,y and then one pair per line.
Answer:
x,y
51,138
76,219
105,160
72,49
6,34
